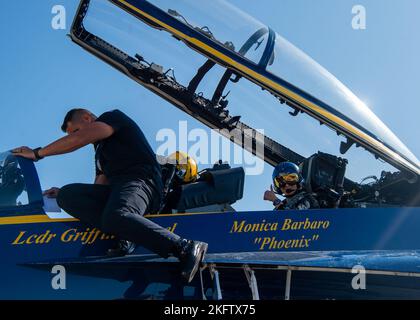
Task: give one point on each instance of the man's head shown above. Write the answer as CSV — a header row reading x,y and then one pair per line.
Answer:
x,y
77,119
287,179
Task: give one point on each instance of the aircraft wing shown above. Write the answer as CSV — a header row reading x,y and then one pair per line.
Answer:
x,y
386,262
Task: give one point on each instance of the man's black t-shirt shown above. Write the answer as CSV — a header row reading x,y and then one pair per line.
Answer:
x,y
126,152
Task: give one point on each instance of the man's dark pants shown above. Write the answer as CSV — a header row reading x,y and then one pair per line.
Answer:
x,y
118,209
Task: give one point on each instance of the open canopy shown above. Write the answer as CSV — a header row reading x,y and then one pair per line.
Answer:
x,y
220,31
238,46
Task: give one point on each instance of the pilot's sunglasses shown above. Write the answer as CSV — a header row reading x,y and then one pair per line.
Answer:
x,y
290,179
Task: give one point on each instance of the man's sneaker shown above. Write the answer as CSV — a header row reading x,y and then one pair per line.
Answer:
x,y
191,255
122,248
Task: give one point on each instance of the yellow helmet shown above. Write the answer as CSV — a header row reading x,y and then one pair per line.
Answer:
x,y
186,167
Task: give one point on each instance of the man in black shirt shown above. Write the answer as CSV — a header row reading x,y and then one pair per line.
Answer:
x,y
128,184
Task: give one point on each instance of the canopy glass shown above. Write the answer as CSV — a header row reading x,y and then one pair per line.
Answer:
x,y
229,26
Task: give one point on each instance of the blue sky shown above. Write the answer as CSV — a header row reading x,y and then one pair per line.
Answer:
x,y
43,74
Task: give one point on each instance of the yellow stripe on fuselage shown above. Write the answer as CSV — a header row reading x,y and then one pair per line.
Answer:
x,y
286,92
32,219
42,218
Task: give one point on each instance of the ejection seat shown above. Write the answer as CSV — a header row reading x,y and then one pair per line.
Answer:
x,y
215,188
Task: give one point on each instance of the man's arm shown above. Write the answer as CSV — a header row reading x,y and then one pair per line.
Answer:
x,y
92,133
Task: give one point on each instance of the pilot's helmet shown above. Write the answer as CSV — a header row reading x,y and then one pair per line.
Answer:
x,y
286,173
186,167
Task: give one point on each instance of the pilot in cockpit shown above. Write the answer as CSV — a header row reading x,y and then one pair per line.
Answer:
x,y
288,182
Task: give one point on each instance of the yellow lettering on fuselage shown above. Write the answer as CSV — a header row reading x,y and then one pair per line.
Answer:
x,y
253,227
289,224
43,238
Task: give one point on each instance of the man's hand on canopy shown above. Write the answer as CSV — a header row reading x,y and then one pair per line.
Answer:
x,y
24,152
